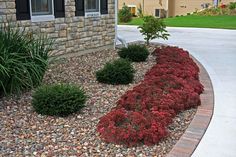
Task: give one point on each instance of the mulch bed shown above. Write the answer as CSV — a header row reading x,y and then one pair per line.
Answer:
x,y
25,133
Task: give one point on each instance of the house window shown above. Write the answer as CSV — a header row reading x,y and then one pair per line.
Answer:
x,y
157,12
132,9
41,10
92,7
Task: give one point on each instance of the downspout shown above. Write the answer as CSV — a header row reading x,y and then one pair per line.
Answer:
x,y
216,2
143,6
167,8
116,23
123,42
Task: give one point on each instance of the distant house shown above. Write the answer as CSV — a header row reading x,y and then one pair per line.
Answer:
x,y
167,8
75,25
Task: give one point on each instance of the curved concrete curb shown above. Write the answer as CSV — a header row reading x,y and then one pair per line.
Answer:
x,y
197,128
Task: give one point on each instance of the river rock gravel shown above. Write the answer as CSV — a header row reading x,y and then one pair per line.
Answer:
x,y
23,132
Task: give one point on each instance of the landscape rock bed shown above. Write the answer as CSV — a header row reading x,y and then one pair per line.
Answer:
x,y
25,133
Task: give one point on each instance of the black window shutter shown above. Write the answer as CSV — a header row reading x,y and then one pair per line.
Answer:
x,y
59,8
104,6
79,5
22,10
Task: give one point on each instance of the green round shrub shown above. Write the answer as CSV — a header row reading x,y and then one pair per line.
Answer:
x,y
58,100
119,71
135,53
232,5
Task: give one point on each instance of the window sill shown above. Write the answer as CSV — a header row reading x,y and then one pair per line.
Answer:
x,y
42,18
92,14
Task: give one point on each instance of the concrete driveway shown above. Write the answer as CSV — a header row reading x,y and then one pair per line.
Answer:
x,y
216,50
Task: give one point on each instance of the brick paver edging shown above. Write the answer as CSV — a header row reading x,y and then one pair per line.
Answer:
x,y
197,128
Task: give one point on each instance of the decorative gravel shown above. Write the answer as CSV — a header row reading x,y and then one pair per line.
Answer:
x,y
25,133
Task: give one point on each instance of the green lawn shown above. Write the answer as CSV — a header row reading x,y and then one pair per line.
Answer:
x,y
226,22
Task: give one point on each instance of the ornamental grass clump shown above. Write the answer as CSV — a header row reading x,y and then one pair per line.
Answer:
x,y
58,100
117,72
134,53
23,59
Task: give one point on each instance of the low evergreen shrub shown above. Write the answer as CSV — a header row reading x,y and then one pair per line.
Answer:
x,y
135,53
119,71
58,100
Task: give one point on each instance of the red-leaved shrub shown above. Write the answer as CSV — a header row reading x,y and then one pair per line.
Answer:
x,y
130,127
143,113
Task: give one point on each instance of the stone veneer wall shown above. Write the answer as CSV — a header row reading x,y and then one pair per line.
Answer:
x,y
72,33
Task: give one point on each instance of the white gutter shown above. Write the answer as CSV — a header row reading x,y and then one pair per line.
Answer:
x,y
167,8
116,25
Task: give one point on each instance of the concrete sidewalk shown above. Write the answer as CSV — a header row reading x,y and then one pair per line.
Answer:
x,y
216,50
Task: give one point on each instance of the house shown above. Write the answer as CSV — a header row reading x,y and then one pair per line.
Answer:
x,y
148,7
167,8
74,25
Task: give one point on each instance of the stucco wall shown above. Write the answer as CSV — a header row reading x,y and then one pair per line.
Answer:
x,y
71,34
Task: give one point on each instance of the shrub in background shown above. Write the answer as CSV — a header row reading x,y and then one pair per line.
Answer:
x,y
119,71
211,12
135,53
58,100
124,14
232,5
140,11
23,59
153,28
